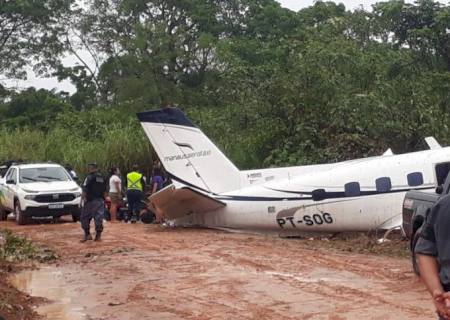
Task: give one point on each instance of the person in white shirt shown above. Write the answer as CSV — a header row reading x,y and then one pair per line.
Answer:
x,y
115,192
72,172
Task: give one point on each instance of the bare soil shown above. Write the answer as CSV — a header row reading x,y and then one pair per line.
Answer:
x,y
147,272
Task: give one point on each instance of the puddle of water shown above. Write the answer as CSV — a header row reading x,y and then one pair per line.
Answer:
x,y
48,283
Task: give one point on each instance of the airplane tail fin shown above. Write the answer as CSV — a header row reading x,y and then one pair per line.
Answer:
x,y
186,153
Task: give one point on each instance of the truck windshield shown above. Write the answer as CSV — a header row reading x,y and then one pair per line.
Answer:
x,y
43,175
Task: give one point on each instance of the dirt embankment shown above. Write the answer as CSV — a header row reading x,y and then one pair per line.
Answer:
x,y
145,272
14,305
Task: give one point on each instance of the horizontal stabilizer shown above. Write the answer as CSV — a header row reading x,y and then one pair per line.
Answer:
x,y
388,152
432,143
173,203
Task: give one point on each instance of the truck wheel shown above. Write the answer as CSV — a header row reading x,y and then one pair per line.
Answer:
x,y
3,213
415,264
20,216
76,216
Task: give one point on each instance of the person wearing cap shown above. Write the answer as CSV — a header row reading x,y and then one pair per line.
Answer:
x,y
135,188
94,188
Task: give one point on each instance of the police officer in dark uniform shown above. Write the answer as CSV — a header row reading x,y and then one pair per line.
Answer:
x,y
94,188
433,254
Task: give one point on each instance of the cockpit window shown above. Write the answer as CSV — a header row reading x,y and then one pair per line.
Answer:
x,y
415,179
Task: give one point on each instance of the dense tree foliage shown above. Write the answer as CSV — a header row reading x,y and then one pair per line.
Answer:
x,y
271,86
29,29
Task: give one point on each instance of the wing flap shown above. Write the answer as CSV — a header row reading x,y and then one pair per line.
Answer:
x,y
173,203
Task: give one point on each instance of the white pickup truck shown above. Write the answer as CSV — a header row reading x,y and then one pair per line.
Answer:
x,y
38,190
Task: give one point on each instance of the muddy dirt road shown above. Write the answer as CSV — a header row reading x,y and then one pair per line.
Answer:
x,y
145,272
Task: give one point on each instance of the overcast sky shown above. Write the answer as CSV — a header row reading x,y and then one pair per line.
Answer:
x,y
67,86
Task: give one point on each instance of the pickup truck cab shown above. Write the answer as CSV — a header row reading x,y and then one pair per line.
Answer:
x,y
38,190
416,206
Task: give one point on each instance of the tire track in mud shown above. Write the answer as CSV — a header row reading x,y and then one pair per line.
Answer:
x,y
358,265
205,274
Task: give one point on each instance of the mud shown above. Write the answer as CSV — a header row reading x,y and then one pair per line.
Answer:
x,y
145,272
49,282
14,304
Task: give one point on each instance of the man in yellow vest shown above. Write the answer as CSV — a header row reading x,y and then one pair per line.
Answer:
x,y
135,188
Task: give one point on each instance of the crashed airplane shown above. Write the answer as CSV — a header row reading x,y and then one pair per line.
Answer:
x,y
208,190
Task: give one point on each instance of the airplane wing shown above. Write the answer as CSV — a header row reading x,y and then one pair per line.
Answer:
x,y
172,202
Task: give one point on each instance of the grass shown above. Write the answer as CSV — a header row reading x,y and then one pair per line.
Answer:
x,y
15,248
119,145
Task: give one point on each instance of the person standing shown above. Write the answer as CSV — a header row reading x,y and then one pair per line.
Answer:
x,y
157,180
72,172
115,192
135,188
433,254
94,189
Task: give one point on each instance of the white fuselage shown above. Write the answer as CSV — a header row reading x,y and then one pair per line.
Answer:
x,y
209,190
281,199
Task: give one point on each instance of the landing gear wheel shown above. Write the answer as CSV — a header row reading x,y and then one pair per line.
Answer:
x,y
20,217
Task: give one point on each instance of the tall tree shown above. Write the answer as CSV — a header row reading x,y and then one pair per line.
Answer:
x,y
29,31
423,27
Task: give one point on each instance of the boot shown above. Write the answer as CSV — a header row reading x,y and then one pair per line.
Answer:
x,y
98,236
87,236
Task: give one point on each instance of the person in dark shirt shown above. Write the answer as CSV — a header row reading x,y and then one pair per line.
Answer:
x,y
433,254
94,188
157,181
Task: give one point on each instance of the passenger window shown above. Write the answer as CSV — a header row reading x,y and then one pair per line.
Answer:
x,y
415,179
442,170
383,184
352,189
319,194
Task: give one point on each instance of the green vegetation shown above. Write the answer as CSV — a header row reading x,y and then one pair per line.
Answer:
x,y
15,248
271,86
